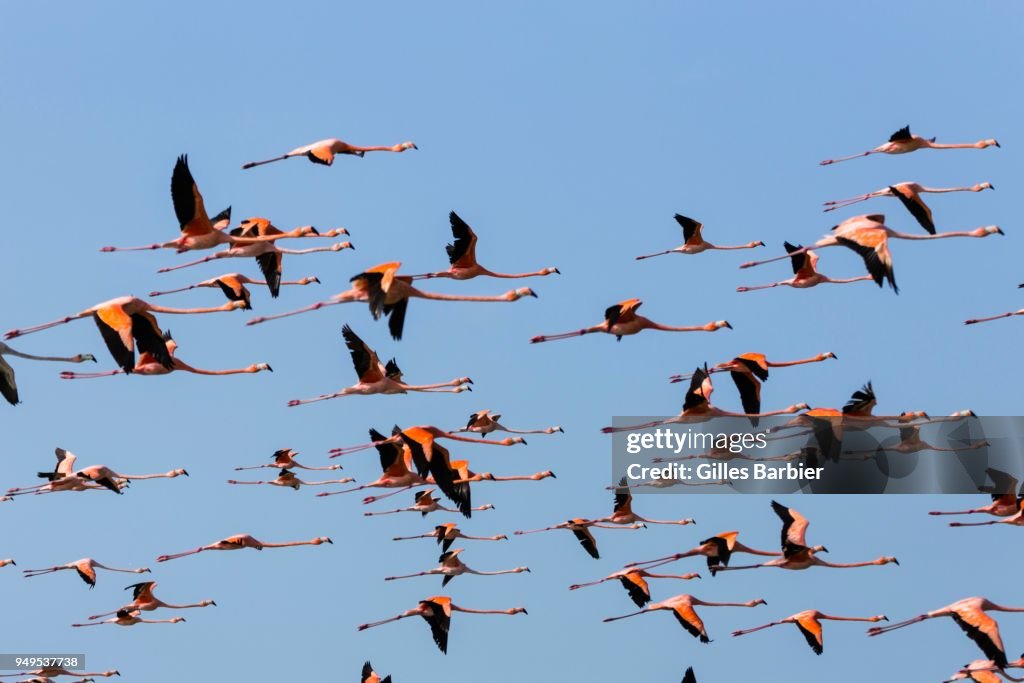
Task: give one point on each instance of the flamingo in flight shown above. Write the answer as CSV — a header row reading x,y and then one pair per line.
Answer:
x,y
903,142
796,554
1006,498
622,320
377,378
718,550
426,434
805,273
986,671
115,481
1016,519
437,611
911,442
682,607
388,294
322,152
462,256
287,479
85,568
484,422
8,561
809,623
61,478
284,459
580,528
970,614
148,365
239,541
451,565
198,230
757,363
395,461
125,322
126,617
909,195
143,600
8,385
233,285
693,240
370,676
635,583
446,534
425,503
622,510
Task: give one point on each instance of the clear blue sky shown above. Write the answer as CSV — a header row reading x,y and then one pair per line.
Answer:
x,y
567,134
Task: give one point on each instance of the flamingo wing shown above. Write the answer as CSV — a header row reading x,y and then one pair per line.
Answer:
x,y
150,339
639,591
396,318
587,540
803,265
794,525
723,545
691,229
440,619
87,574
222,220
8,387
913,202
321,155
697,395
368,675
391,461
271,264
392,371
984,631
901,135
873,247
234,290
756,363
1003,484
188,202
689,676
811,628
461,252
364,358
750,392
861,401
689,620
142,590
623,499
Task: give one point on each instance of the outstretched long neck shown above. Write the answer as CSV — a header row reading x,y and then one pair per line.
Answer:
x,y
672,328
61,359
434,296
288,544
802,361
483,611
186,311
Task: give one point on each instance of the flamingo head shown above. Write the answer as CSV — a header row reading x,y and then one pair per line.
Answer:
x,y
755,603
517,294
83,357
819,549
827,355
518,610
983,186
320,540
717,325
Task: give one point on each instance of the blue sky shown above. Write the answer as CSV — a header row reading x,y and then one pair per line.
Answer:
x,y
566,134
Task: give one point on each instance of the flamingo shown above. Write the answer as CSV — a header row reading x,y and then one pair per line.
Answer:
x,y
371,676
198,230
425,503
909,195
8,385
622,510
1006,498
239,541
682,606
148,365
903,142
388,295
911,442
233,285
809,623
580,528
323,151
426,434
635,583
394,463
143,600
85,568
693,241
869,237
451,565
126,617
437,611
446,534
697,405
60,479
970,614
8,561
805,273
462,256
125,321
464,475
986,671
622,320
377,378
108,478
718,550
483,422
796,554
1013,520
757,363
288,479
284,459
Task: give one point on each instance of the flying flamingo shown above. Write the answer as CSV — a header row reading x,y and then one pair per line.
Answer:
x,y
8,386
809,623
452,566
805,273
425,434
757,363
198,231
239,541
682,606
425,503
693,241
4,563
148,365
622,510
323,151
462,256
437,611
903,142
388,295
371,676
130,618
233,285
395,459
377,378
483,422
288,479
970,614
85,568
1006,498
125,321
796,554
60,479
909,195
622,320
986,671
143,600
446,534
635,583
464,475
718,550
869,237
108,478
284,459
580,528
911,442
1013,520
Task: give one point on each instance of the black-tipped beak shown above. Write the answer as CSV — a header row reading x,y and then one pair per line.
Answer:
x,y
553,476
469,381
728,325
525,612
524,442
269,369
1000,231
185,472
997,143
469,388
991,186
558,271
213,602
316,280
330,541
895,562
314,230
824,550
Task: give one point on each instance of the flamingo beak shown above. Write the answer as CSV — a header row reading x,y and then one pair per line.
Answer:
x,y
213,602
728,325
185,472
314,230
269,369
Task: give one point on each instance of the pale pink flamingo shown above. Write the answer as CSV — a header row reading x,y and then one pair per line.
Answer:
x,y
805,273
143,600
909,195
108,478
682,607
635,583
60,479
323,151
127,617
388,294
621,320
809,623
85,568
451,565
233,285
8,561
911,442
902,142
580,528
1006,497
693,241
8,385
718,550
287,479
446,534
425,503
239,541
269,257
483,422
986,671
284,459
463,475
622,511
757,363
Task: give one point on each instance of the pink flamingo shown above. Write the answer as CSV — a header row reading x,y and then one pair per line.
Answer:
x,y
757,363
483,422
635,582
143,600
909,195
131,618
809,623
682,606
1006,498
233,285
903,142
323,151
425,504
718,550
85,568
284,459
8,385
452,566
622,320
446,534
287,479
805,273
239,541
693,241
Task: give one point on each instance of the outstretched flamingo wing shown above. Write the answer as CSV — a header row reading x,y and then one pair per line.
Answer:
x,y
689,620
639,591
811,628
142,590
901,135
586,540
271,264
750,392
622,312
915,205
623,499
756,363
689,676
188,202
8,387
234,290
363,357
794,525
803,264
698,394
861,401
691,229
873,247
439,616
984,631
461,252
321,155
